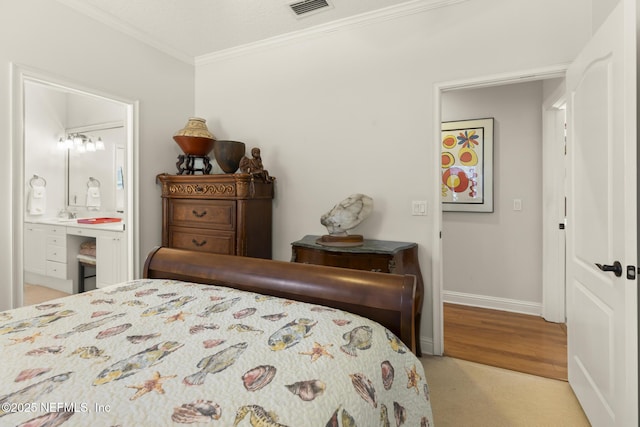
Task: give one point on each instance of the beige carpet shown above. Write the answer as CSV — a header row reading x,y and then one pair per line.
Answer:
x,y
469,394
36,294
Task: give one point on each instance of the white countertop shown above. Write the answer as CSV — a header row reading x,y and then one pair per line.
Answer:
x,y
108,226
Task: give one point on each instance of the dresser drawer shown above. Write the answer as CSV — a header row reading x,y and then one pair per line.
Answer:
x,y
368,262
57,269
56,253
204,240
214,214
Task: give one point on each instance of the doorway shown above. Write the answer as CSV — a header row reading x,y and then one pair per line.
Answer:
x,y
518,203
45,111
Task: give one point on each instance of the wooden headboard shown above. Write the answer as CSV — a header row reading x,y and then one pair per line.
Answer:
x,y
386,298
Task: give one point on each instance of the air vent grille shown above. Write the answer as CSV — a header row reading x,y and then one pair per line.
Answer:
x,y
307,6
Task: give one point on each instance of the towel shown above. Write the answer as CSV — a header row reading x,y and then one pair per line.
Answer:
x,y
93,198
37,200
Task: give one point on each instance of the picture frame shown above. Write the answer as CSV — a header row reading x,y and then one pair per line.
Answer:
x,y
467,165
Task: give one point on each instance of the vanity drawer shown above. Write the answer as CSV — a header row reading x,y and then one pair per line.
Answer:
x,y
56,230
56,253
214,214
57,269
57,240
203,240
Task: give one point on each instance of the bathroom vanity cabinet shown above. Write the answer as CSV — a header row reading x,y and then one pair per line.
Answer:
x,y
50,252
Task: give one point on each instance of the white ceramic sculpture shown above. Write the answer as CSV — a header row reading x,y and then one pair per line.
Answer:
x,y
347,214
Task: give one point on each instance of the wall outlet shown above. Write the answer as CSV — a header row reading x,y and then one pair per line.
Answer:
x,y
419,207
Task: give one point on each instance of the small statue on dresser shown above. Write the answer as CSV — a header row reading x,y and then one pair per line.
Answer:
x,y
254,166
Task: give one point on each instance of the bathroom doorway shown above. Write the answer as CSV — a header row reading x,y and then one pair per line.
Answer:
x,y
46,112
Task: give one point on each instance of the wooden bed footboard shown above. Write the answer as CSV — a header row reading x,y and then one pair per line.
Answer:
x,y
385,298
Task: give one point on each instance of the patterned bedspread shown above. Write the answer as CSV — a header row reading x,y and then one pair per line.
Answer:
x,y
161,352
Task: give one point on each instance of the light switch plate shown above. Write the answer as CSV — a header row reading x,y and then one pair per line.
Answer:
x,y
517,204
419,207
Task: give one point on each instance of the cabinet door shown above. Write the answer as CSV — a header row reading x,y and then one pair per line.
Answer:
x,y
111,267
35,244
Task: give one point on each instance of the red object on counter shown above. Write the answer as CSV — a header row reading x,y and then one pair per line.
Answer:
x,y
98,220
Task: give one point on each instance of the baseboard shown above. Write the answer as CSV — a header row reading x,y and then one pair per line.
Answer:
x,y
494,303
426,345
61,285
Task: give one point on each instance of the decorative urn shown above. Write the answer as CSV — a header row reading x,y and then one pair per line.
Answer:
x,y
195,139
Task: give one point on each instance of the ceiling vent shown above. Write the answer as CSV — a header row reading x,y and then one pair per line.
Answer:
x,y
308,7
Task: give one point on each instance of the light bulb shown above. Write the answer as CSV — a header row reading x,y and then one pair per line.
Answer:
x,y
99,144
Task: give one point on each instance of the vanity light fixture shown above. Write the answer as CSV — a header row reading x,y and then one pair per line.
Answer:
x,y
81,143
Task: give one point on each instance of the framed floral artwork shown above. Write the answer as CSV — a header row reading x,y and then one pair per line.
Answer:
x,y
467,165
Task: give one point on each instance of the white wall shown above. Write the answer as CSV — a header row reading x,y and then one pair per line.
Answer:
x,y
495,259
56,40
353,110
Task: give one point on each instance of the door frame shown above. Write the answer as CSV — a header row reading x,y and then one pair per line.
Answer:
x,y
555,71
553,207
19,75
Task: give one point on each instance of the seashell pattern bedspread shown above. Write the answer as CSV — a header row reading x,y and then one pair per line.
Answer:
x,y
162,352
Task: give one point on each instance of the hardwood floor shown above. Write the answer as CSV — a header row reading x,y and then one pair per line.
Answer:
x,y
518,342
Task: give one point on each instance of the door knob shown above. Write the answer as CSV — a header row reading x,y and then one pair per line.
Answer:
x,y
616,268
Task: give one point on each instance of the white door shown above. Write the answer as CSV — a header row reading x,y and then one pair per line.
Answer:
x,y
601,229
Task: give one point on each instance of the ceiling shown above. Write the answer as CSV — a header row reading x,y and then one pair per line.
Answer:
x,y
187,29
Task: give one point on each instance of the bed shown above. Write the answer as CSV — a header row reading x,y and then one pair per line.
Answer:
x,y
219,340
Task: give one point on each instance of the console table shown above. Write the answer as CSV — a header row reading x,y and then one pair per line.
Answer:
x,y
373,255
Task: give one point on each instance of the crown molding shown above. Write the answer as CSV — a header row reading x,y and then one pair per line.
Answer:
x,y
388,13
115,23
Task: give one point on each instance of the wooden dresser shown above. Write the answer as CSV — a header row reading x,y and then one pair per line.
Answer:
x,y
373,255
223,213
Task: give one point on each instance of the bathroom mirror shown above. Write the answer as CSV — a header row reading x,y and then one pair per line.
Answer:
x,y
95,179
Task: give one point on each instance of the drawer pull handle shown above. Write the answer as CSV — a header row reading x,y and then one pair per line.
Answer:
x,y
198,244
199,215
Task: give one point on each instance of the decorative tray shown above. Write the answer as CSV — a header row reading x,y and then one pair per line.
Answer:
x,y
98,220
